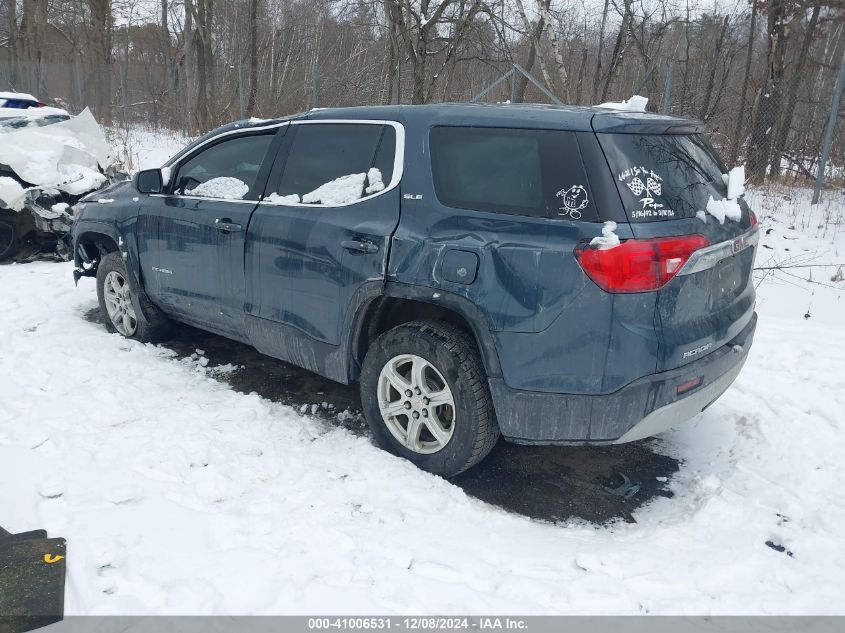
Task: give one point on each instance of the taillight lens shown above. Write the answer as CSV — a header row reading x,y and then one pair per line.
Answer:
x,y
753,217
638,265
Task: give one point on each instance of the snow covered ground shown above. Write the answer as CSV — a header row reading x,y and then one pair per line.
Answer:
x,y
179,495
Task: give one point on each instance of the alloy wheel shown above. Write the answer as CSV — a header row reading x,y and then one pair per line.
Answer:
x,y
416,403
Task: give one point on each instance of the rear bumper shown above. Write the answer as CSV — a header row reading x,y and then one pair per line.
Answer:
x,y
646,407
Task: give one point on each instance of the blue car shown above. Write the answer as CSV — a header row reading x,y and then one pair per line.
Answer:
x,y
552,275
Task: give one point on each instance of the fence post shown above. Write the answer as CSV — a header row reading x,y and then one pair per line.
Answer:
x,y
513,87
667,90
314,84
828,131
241,88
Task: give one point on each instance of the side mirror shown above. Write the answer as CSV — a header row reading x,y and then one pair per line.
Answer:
x,y
149,181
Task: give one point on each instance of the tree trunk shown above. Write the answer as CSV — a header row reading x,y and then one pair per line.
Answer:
x,y
204,18
597,75
253,58
12,22
534,32
737,139
770,97
618,49
795,81
33,29
543,8
100,46
392,53
189,57
711,77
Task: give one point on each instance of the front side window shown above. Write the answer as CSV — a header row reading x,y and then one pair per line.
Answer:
x,y
227,170
524,172
336,163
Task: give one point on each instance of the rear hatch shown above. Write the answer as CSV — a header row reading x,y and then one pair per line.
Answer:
x,y
665,182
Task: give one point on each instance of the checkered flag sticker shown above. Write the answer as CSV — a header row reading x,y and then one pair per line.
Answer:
x,y
637,186
653,186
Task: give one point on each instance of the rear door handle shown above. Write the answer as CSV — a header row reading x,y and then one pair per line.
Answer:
x,y
225,225
359,246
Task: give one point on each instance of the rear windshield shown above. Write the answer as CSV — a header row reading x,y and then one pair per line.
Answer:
x,y
523,172
663,177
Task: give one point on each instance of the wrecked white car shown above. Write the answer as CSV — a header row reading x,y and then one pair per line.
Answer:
x,y
46,164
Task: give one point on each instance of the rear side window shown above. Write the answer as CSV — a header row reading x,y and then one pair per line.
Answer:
x,y
663,177
524,172
226,170
336,163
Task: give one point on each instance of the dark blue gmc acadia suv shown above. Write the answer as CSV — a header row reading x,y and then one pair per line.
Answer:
x,y
556,275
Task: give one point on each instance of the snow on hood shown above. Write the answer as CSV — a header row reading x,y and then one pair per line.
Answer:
x,y
68,155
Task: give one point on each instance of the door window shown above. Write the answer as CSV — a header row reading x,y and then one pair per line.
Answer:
x,y
227,170
336,163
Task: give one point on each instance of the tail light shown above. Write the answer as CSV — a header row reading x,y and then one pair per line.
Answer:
x,y
638,265
753,217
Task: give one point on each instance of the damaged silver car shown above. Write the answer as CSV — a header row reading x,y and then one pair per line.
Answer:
x,y
47,163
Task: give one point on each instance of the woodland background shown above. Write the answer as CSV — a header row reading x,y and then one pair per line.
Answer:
x,y
761,74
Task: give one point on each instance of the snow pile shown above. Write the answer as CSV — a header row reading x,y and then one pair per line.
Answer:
x,y
375,179
66,155
224,187
608,238
191,498
634,104
12,194
79,179
721,209
341,190
729,207
275,198
735,181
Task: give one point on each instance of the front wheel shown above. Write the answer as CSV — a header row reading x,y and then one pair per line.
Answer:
x,y
425,397
10,242
119,311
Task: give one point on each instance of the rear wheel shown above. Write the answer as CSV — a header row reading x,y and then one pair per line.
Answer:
x,y
9,239
425,396
115,295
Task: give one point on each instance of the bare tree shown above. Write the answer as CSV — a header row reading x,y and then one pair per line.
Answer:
x,y
33,29
419,23
534,31
745,81
770,94
794,82
253,58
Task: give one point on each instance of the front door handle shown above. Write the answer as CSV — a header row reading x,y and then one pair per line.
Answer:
x,y
360,246
225,225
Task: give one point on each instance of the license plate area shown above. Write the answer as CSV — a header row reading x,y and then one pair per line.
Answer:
x,y
727,280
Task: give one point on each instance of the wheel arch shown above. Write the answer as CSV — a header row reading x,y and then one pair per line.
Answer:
x,y
402,303
95,242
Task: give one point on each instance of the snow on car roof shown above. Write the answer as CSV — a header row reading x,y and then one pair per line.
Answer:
x,y
17,95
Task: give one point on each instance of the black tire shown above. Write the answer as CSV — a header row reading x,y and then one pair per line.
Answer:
x,y
152,325
453,353
10,243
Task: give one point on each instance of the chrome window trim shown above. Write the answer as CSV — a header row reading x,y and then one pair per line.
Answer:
x,y
709,256
177,158
170,167
398,163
